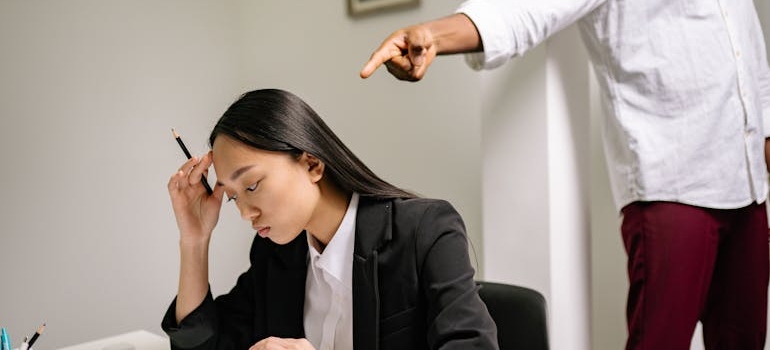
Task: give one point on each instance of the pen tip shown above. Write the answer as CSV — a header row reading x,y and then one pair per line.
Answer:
x,y
173,131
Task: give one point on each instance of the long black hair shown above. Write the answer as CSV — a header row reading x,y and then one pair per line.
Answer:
x,y
277,120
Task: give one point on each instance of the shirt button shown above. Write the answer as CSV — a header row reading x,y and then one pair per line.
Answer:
x,y
737,53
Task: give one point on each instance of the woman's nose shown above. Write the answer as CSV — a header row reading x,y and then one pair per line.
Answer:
x,y
248,212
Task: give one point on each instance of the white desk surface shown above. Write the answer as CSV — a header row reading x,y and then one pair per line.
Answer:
x,y
136,340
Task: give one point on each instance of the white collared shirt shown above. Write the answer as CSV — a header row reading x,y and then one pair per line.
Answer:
x,y
329,287
685,89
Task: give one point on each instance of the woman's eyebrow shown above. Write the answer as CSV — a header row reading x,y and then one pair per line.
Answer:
x,y
237,173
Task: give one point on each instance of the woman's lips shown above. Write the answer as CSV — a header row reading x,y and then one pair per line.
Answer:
x,y
263,231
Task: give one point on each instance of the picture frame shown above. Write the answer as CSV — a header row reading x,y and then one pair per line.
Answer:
x,y
365,7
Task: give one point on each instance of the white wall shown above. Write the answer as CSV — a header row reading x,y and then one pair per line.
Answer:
x,y
89,91
609,283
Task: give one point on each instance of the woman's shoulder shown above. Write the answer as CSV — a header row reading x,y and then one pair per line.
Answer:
x,y
411,210
425,220
409,205
423,204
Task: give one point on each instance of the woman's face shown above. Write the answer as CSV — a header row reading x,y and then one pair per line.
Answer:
x,y
275,192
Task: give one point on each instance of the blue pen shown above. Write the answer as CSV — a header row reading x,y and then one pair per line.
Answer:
x,y
6,341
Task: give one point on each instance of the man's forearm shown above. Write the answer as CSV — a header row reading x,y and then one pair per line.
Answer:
x,y
455,34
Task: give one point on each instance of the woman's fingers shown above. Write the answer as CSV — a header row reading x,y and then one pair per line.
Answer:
x,y
178,182
195,174
275,343
190,174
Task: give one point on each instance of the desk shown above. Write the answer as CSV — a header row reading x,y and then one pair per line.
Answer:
x,y
136,340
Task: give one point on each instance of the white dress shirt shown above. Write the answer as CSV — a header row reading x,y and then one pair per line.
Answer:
x,y
329,287
685,89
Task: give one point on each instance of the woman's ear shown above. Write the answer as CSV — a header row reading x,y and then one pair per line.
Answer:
x,y
315,166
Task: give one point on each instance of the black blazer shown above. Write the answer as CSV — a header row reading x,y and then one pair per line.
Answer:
x,y
413,287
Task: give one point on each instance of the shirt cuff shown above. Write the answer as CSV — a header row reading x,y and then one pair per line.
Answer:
x,y
495,35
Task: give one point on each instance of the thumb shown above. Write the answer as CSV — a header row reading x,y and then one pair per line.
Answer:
x,y
420,41
417,55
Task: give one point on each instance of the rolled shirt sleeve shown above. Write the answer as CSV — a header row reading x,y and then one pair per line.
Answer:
x,y
511,28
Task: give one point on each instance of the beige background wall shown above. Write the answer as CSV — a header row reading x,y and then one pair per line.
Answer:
x,y
90,89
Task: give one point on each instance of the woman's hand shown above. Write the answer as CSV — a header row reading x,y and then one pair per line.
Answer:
x,y
196,211
275,343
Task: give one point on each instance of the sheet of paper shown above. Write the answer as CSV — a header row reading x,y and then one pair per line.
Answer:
x,y
136,340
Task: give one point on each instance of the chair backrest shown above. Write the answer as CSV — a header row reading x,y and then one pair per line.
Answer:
x,y
520,315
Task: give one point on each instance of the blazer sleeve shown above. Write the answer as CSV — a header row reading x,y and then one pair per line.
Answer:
x,y
223,323
457,317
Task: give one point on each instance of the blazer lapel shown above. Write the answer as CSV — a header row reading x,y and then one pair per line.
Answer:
x,y
373,230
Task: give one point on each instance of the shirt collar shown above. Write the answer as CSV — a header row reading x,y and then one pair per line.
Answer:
x,y
337,257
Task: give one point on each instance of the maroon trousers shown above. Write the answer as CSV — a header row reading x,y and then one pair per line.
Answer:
x,y
688,263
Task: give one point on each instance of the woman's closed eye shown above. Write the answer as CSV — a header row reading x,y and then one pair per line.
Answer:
x,y
251,188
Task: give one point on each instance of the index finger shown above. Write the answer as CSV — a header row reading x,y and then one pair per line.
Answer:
x,y
201,167
390,48
207,159
378,58
189,164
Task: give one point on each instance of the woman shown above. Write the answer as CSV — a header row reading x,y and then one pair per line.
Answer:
x,y
343,259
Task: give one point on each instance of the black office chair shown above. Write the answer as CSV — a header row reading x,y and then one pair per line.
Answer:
x,y
520,315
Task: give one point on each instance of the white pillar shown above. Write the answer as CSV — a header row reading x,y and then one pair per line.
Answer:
x,y
569,162
535,144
